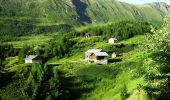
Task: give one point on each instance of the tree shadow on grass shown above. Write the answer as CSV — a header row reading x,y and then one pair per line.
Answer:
x,y
96,72
6,78
71,88
114,60
164,94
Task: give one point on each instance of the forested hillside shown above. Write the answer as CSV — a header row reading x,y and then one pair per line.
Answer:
x,y
23,17
140,72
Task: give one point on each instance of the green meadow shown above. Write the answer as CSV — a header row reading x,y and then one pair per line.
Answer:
x,y
30,40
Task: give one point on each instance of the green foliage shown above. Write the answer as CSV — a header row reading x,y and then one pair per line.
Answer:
x,y
59,46
34,40
124,93
42,83
34,80
23,52
122,30
7,50
97,72
47,16
51,11
157,65
78,80
22,27
54,85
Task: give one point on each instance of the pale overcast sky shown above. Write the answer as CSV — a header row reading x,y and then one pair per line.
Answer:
x,y
145,1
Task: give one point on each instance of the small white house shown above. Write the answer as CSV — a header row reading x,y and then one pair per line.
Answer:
x,y
112,40
87,35
115,54
96,56
32,59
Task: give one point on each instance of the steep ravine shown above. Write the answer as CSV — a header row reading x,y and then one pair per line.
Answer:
x,y
81,10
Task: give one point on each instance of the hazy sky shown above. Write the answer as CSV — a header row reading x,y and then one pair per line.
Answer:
x,y
144,1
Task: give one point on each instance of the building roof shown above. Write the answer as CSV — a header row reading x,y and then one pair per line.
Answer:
x,y
112,39
30,57
97,52
101,54
88,34
93,50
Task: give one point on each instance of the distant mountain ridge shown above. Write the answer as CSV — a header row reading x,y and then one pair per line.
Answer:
x,y
162,7
77,12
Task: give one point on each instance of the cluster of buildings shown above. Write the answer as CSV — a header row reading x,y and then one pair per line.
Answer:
x,y
97,56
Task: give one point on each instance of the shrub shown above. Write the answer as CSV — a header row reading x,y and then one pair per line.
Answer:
x,y
124,93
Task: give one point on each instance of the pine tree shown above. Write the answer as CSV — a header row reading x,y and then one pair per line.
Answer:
x,y
124,93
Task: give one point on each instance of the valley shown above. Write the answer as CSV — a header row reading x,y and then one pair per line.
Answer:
x,y
84,50
66,75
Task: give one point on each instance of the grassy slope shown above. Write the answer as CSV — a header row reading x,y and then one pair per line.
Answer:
x,y
64,11
110,10
108,85
45,11
30,40
104,11
155,16
90,81
24,17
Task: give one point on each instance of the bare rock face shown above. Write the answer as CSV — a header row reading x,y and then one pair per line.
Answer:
x,y
162,7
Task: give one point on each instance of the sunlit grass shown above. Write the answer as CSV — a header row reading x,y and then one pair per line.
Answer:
x,y
31,40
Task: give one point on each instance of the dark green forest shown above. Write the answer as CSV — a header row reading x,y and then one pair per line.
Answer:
x,y
122,30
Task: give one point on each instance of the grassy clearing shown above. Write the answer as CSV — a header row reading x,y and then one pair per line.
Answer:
x,y
106,81
102,82
138,95
90,81
31,40
134,40
84,44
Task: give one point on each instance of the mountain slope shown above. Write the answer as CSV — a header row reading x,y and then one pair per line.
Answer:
x,y
52,11
111,10
162,7
76,12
